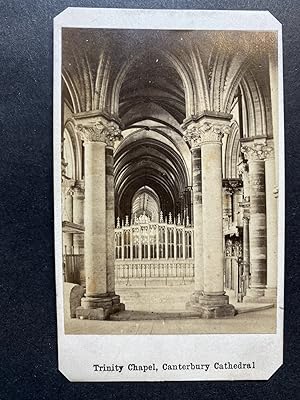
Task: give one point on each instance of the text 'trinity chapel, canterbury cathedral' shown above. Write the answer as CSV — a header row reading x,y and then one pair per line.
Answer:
x,y
169,169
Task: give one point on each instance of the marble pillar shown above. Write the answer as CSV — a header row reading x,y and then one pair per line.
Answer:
x,y
100,300
255,150
207,131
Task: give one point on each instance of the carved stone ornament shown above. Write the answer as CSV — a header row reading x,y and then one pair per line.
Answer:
x,y
79,187
204,132
99,130
70,191
64,165
242,168
67,187
257,150
231,186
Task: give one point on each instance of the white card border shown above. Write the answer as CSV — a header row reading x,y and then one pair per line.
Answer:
x,y
77,353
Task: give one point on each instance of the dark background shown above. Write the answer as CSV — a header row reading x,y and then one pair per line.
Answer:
x,y
28,354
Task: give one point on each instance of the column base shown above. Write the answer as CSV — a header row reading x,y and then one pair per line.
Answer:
x,y
214,306
99,308
271,292
261,296
194,300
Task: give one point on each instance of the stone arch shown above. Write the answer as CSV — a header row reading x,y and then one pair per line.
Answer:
x,y
69,156
75,148
255,101
146,158
232,151
145,202
255,105
187,80
71,89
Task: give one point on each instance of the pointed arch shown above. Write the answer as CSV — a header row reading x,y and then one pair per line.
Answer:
x,y
76,149
255,102
145,201
73,90
117,84
232,152
187,80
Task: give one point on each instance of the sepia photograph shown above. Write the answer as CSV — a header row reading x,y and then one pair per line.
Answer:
x,y
169,181
150,236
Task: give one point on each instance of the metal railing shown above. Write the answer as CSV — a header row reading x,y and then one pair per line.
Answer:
x,y
145,240
146,272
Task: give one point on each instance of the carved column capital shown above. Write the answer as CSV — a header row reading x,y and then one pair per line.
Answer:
x,y
67,187
270,154
206,131
98,129
257,149
232,185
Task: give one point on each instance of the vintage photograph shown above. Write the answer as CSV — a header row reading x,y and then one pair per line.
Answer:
x,y
169,181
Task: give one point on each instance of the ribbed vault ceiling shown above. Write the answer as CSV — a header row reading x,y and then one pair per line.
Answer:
x,y
153,80
148,162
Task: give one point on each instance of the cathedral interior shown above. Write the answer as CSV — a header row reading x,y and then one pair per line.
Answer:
x,y
169,167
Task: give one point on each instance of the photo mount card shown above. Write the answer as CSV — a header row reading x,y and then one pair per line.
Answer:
x,y
169,194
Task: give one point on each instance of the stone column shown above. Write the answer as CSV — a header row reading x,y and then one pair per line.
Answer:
x,y
110,220
237,198
272,228
78,216
255,150
243,171
197,203
273,68
99,301
272,208
67,216
197,213
207,131
227,207
246,244
232,198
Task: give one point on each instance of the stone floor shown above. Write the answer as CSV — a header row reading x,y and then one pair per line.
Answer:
x,y
161,310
